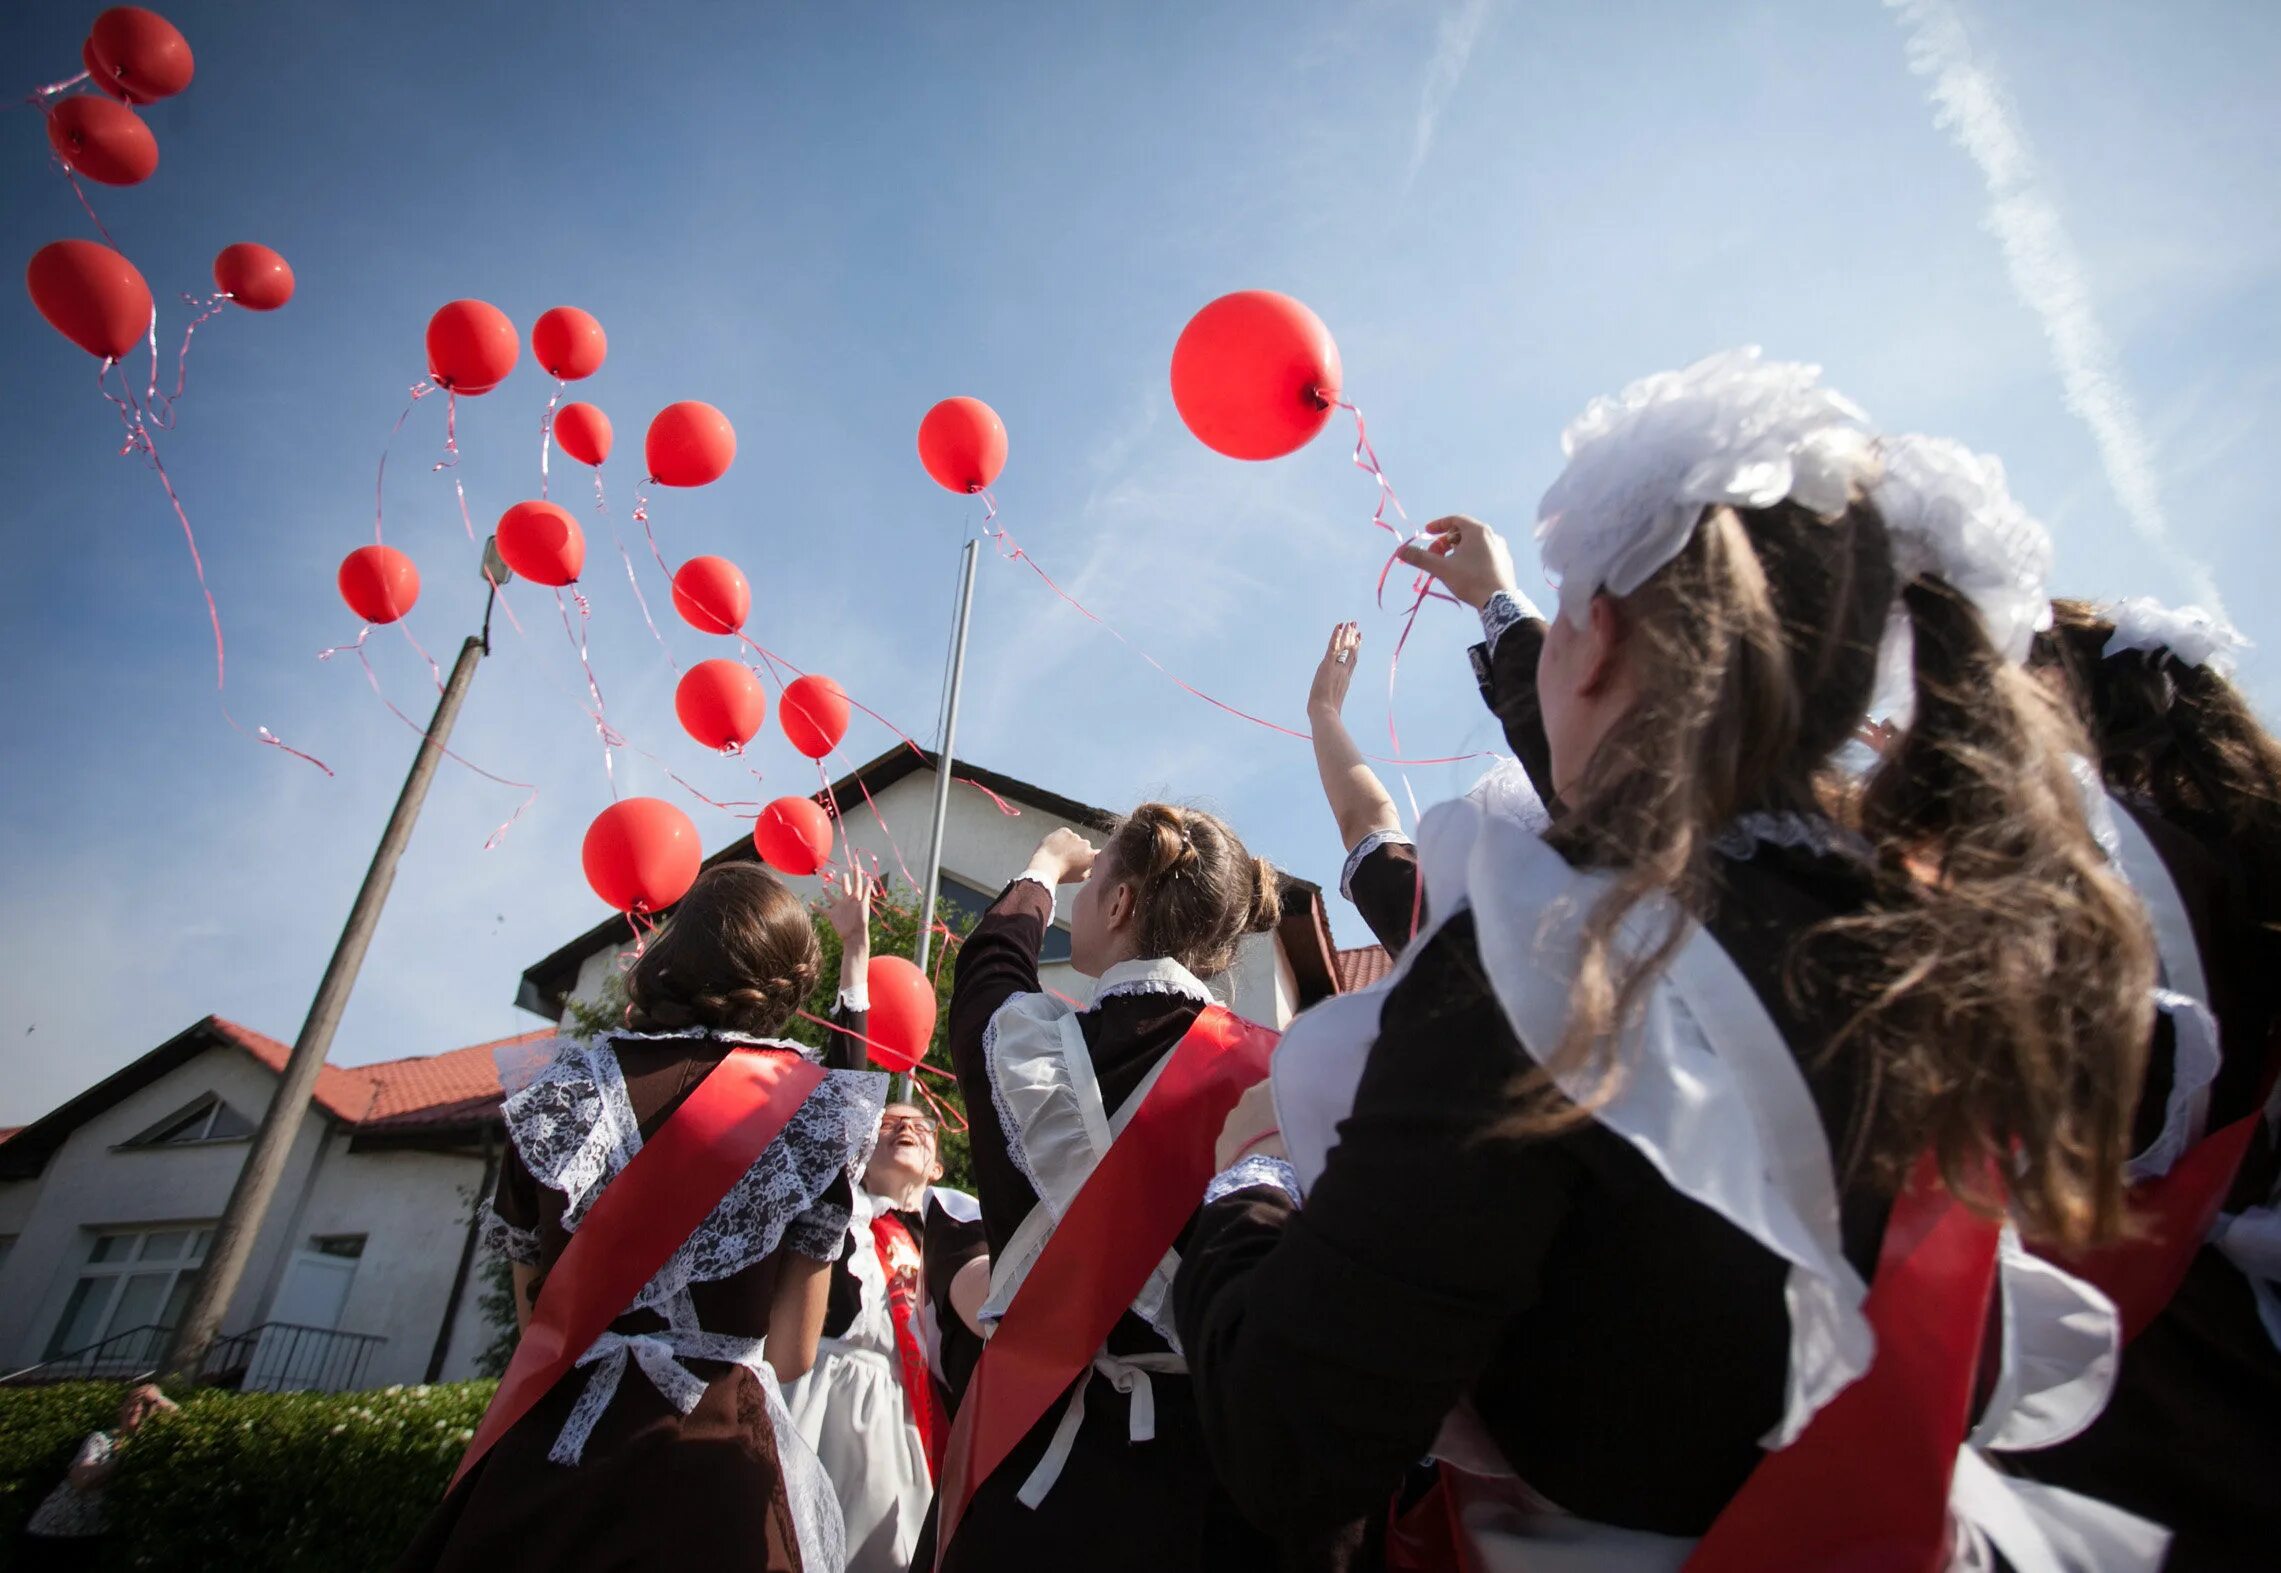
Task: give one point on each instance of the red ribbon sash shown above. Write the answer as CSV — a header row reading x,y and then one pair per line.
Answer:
x,y
640,1219
1122,1221
902,1263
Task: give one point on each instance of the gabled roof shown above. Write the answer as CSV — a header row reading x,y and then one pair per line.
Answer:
x,y
429,1095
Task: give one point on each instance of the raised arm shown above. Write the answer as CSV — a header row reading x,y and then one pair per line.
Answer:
x,y
848,905
1474,564
1359,802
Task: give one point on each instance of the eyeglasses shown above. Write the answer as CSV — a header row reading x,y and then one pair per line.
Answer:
x,y
895,1124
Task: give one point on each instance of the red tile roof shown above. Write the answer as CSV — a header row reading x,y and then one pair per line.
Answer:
x,y
7,1131
401,1094
1361,967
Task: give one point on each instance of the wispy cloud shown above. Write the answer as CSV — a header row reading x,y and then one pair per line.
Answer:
x,y
1455,36
2046,273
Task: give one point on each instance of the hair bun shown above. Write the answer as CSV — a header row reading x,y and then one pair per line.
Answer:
x,y
1266,897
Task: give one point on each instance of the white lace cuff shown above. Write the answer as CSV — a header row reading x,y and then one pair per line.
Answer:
x,y
1362,850
1256,1170
1038,880
856,999
1502,610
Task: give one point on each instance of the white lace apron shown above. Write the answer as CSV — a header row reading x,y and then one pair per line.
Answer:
x,y
1714,1100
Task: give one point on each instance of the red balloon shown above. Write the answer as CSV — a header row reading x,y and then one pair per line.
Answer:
x,y
1255,375
91,295
255,277
814,713
721,704
104,141
793,835
963,444
542,542
641,855
138,55
902,1020
379,583
568,343
584,432
471,347
711,595
95,72
689,444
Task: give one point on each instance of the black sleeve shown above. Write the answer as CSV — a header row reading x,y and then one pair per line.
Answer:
x,y
1385,891
1507,676
845,1050
1327,1342
998,960
950,1243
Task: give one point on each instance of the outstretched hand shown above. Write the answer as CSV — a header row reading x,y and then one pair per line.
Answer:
x,y
1470,559
1336,673
848,906
1064,857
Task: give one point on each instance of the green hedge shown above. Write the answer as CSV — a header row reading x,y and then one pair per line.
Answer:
x,y
252,1481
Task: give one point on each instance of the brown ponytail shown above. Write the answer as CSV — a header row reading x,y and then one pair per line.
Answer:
x,y
739,954
1196,890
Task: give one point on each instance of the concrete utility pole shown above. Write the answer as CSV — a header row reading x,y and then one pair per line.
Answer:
x,y
943,755
241,1221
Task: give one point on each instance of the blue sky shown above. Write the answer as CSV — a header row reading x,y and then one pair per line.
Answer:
x,y
822,219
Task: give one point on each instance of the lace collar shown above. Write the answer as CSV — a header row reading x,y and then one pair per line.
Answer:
x,y
722,1035
1823,837
1152,975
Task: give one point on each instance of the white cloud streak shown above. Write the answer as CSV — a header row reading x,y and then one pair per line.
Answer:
x,y
1456,34
2046,273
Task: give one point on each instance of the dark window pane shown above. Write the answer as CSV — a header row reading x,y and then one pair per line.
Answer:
x,y
228,1123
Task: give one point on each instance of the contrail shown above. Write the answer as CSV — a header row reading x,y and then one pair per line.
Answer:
x,y
2047,275
1454,38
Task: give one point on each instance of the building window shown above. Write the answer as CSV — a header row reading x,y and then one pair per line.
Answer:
x,y
350,1246
133,1279
208,1119
967,903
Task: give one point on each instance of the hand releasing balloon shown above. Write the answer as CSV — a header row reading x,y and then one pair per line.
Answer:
x,y
379,583
721,704
793,835
103,140
471,347
963,444
568,343
711,595
641,855
1255,375
902,1019
814,712
138,55
689,444
584,432
91,295
542,542
255,277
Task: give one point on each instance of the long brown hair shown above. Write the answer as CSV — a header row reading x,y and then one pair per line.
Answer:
x,y
1997,982
740,954
1196,890
2180,738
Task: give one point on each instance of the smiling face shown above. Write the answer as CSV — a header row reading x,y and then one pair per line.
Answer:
x,y
906,1155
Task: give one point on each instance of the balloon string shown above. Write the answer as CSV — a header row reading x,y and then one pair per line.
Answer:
x,y
546,434
602,506
434,671
139,440
641,517
38,94
945,1113
213,306
499,590
80,192
372,677
593,688
831,799
450,461
419,390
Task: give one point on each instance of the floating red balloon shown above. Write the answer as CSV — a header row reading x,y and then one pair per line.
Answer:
x,y
471,347
963,444
814,713
379,583
793,835
689,444
1255,375
255,277
641,855
138,55
568,343
91,295
721,704
542,542
103,140
902,1019
711,595
584,432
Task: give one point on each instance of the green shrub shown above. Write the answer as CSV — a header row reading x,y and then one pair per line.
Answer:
x,y
40,1428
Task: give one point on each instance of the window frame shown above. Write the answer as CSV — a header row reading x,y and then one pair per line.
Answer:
x,y
113,1275
1054,953
211,1106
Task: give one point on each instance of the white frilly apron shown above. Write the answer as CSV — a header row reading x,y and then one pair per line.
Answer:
x,y
1714,1100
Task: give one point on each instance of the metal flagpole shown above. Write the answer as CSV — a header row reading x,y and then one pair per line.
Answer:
x,y
943,759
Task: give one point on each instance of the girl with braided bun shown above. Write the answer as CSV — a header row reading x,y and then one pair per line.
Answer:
x,y
1113,1475
1595,1184
669,1445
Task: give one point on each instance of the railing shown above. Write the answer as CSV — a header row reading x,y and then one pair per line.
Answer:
x,y
276,1357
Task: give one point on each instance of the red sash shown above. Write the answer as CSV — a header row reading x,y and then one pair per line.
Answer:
x,y
901,1262
641,1218
1865,1487
1124,1218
